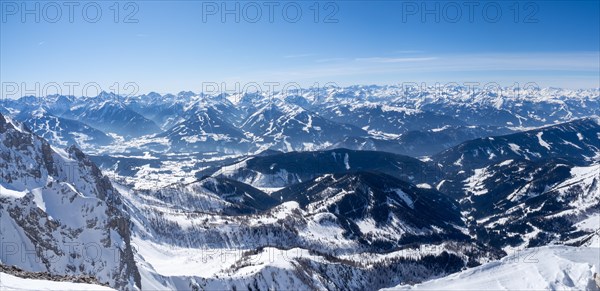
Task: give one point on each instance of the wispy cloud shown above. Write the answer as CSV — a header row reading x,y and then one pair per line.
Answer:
x,y
41,43
330,60
395,60
575,69
298,56
408,52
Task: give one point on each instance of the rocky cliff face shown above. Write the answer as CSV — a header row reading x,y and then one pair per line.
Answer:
x,y
59,214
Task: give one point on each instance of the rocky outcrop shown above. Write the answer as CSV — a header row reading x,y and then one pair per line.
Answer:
x,y
18,272
60,214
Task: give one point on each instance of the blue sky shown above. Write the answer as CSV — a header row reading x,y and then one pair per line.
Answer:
x,y
179,45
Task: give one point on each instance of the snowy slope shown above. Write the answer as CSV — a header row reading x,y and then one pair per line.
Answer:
x,y
63,132
578,141
279,170
222,251
288,127
207,126
545,268
12,283
108,113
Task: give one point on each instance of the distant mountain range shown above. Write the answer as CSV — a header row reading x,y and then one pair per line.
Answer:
x,y
410,121
355,188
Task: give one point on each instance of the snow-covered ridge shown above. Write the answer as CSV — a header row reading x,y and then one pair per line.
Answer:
x,y
545,268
